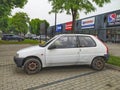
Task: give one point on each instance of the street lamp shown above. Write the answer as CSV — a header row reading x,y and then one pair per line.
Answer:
x,y
55,21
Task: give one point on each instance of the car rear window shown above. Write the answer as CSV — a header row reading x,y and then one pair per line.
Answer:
x,y
86,41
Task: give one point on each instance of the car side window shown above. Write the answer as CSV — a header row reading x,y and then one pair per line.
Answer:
x,y
66,42
86,41
72,42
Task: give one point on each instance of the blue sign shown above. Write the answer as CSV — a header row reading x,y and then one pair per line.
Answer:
x,y
59,28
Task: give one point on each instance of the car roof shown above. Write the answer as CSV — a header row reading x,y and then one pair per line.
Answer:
x,y
74,35
8,34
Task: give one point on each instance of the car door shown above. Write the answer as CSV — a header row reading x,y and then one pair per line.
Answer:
x,y
65,52
12,37
87,48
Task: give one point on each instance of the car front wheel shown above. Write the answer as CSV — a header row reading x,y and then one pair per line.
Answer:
x,y
98,63
32,66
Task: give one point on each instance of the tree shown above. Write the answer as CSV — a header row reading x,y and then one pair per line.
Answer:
x,y
5,9
7,5
74,6
18,24
4,24
35,25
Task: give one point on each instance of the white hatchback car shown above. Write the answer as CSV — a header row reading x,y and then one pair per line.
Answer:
x,y
64,49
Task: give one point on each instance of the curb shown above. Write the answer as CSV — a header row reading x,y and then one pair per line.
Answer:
x,y
112,66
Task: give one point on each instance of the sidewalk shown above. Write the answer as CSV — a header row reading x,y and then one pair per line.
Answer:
x,y
56,78
114,48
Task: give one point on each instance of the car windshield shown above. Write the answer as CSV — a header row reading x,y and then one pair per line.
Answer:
x,y
46,43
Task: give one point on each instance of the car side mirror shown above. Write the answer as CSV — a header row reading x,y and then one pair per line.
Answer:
x,y
52,47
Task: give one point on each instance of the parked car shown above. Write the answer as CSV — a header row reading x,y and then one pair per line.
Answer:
x,y
12,37
35,38
64,49
41,37
30,36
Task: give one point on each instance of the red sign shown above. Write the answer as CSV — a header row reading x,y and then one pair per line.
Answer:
x,y
68,26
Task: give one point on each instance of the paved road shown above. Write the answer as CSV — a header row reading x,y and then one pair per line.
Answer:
x,y
56,78
114,49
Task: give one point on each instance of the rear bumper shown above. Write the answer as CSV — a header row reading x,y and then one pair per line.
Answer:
x,y
106,56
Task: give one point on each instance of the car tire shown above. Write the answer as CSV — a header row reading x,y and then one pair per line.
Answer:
x,y
19,40
98,63
32,66
7,39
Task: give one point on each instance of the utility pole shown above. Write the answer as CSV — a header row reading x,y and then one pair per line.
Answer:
x,y
55,21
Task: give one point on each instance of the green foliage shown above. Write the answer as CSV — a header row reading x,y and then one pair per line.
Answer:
x,y
26,41
114,60
18,23
35,25
100,3
7,5
5,9
4,24
74,6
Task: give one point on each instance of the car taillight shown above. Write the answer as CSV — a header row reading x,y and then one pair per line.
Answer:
x,y
107,50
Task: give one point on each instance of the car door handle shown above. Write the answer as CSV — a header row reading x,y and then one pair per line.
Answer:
x,y
79,49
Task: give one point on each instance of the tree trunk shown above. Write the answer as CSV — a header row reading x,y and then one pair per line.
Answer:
x,y
74,14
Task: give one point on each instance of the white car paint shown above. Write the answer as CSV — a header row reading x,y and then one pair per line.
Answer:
x,y
64,56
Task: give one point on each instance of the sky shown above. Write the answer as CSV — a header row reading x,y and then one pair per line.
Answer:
x,y
40,9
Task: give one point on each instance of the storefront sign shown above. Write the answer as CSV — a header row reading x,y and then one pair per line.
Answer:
x,y
113,19
59,28
88,23
68,26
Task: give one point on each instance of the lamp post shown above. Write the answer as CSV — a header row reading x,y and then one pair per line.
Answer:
x,y
55,21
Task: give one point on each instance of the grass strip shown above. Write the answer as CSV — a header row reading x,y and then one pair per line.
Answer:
x,y
114,60
26,41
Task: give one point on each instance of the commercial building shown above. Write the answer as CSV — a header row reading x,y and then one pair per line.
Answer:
x,y
106,26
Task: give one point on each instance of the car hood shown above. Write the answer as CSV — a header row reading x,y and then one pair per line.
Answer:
x,y
30,49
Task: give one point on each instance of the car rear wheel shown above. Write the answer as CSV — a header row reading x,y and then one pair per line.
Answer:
x,y
20,40
98,63
32,66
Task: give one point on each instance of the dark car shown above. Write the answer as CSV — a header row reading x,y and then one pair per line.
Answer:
x,y
12,37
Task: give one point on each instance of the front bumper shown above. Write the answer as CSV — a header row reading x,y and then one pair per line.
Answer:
x,y
18,61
